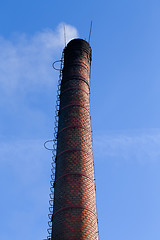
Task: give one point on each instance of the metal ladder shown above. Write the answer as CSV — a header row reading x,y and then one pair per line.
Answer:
x,y
54,149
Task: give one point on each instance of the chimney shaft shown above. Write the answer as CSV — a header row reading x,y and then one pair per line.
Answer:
x,y
74,212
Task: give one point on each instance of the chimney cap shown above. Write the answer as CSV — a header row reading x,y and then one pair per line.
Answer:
x,y
79,43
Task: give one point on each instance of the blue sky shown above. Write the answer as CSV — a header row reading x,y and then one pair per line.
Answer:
x,y
125,97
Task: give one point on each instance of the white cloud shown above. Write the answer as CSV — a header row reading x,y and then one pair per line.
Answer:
x,y
25,61
24,179
27,154
140,146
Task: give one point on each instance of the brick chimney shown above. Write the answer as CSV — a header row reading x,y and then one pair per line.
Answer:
x,y
74,212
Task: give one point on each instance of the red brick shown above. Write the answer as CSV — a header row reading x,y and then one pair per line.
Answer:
x,y
74,212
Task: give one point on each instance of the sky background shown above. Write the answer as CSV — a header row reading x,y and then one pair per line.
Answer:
x,y
125,111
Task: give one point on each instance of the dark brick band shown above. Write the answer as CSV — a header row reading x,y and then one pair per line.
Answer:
x,y
73,77
74,126
76,88
71,150
65,208
75,105
72,173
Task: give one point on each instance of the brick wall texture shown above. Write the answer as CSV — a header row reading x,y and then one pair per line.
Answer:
x,y
74,213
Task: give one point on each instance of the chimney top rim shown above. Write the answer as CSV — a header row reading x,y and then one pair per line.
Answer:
x,y
78,43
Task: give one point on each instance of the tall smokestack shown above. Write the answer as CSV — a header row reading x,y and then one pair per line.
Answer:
x,y
74,212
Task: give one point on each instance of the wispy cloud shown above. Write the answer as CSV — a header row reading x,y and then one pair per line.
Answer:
x,y
141,146
25,60
24,180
